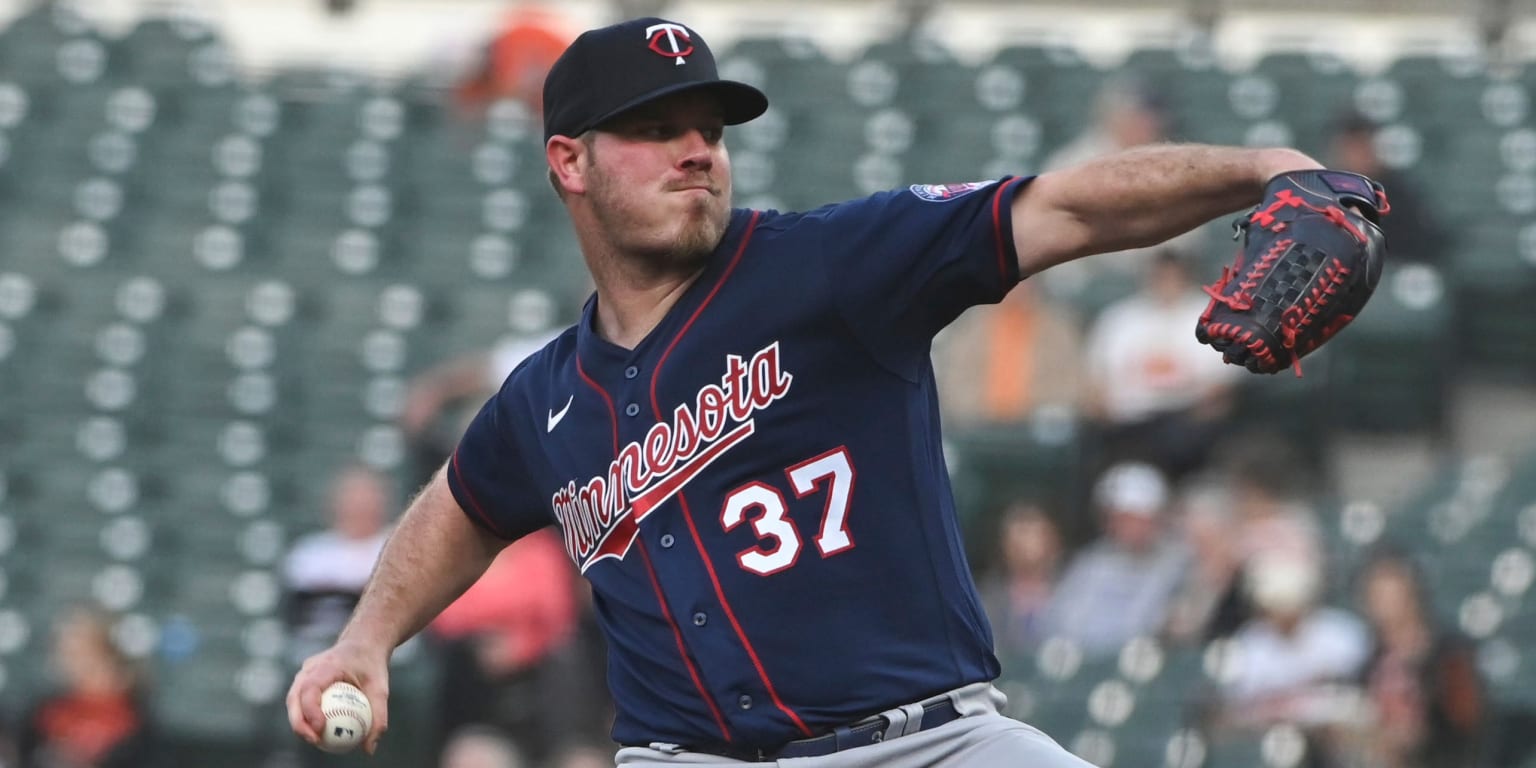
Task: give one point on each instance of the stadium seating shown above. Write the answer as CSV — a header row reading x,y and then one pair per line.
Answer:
x,y
213,289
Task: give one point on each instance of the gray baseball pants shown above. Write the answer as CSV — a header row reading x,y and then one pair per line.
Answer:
x,y
981,738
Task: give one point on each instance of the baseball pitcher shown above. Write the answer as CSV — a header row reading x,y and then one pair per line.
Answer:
x,y
739,441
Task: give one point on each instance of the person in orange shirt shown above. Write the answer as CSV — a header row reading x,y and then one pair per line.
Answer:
x,y
999,364
511,657
516,60
97,718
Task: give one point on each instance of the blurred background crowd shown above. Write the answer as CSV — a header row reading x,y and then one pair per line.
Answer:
x,y
245,310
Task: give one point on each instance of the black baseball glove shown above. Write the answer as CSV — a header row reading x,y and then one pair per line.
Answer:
x,y
1310,258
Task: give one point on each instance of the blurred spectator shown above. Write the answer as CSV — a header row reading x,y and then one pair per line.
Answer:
x,y
1128,112
1252,504
1118,587
97,717
584,756
1410,227
326,570
431,425
1293,661
1422,679
480,747
1270,490
514,63
1204,600
998,364
1157,394
1018,591
509,651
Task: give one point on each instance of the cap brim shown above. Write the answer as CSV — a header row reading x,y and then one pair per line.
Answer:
x,y
739,102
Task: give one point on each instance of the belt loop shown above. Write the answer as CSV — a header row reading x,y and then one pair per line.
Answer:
x,y
904,720
895,723
912,720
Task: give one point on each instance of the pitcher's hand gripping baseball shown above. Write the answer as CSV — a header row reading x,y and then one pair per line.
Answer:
x,y
1311,256
366,668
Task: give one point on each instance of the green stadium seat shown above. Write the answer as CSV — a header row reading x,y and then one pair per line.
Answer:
x,y
1313,91
1280,747
951,148
793,72
1507,658
193,696
1390,368
1440,91
828,143
52,43
1471,151
1187,79
1059,85
1495,271
946,88
318,84
174,53
916,50
47,18
1041,460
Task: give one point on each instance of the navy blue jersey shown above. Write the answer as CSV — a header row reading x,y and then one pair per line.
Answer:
x,y
757,491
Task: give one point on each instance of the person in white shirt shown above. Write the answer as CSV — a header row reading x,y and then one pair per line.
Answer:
x,y
325,570
1155,392
1297,659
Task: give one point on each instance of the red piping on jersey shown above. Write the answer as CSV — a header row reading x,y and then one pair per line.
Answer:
x,y
997,228
682,650
613,415
474,503
735,624
683,499
661,599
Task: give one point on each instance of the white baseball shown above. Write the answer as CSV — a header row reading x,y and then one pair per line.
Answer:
x,y
348,717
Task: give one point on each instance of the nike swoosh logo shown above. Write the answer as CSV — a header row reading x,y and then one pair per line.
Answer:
x,y
554,418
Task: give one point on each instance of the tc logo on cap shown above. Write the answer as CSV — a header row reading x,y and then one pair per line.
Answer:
x,y
670,40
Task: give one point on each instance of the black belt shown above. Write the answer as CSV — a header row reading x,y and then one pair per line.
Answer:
x,y
844,737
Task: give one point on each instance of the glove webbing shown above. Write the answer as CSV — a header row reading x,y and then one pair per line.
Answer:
x,y
1293,319
1299,316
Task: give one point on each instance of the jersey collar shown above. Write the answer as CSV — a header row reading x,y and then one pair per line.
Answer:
x,y
597,352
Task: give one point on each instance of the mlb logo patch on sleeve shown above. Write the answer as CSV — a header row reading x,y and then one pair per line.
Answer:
x,y
938,193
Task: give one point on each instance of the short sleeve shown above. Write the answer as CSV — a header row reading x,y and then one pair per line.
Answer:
x,y
489,475
909,261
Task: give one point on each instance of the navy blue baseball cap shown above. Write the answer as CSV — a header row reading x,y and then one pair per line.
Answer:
x,y
611,70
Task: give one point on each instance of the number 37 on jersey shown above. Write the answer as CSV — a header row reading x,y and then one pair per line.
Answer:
x,y
601,518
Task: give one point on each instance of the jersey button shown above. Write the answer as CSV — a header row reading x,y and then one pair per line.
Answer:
x,y
631,372
745,701
633,409
699,619
666,541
